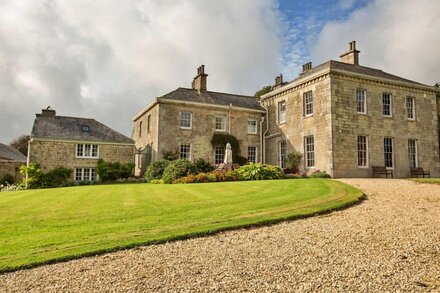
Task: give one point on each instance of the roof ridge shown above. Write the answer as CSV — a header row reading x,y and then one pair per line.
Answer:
x,y
190,89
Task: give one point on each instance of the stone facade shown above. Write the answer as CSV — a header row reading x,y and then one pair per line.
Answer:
x,y
11,168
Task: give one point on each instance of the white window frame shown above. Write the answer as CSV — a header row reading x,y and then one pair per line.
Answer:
x,y
309,153
359,151
361,103
385,153
188,154
190,120
282,152
390,105
416,153
82,174
83,148
281,115
222,122
250,131
413,112
308,100
217,160
255,154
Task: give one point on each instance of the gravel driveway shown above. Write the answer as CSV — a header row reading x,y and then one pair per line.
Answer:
x,y
390,242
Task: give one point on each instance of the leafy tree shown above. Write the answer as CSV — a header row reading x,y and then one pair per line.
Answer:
x,y
263,91
21,144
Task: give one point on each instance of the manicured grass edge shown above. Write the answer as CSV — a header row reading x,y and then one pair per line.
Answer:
x,y
435,181
270,222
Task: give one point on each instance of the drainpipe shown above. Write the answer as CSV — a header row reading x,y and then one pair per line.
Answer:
x,y
229,118
265,132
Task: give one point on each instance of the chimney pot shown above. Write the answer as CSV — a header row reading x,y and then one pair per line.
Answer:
x,y
352,56
200,81
48,112
307,67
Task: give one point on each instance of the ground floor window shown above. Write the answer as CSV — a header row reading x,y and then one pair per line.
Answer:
x,y
388,152
412,153
252,154
219,154
309,150
362,150
85,174
282,153
185,151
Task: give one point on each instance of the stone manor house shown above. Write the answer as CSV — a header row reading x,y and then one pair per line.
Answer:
x,y
342,116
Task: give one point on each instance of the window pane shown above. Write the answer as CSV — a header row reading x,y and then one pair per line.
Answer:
x,y
86,174
410,109
252,154
412,153
87,150
219,154
388,152
185,119
79,150
185,151
93,174
386,103
361,105
220,123
310,150
308,103
282,153
95,151
281,111
362,151
78,174
148,123
252,126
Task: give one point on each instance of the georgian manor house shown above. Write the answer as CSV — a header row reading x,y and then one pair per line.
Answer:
x,y
342,116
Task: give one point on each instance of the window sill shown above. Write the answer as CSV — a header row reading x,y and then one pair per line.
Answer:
x,y
186,128
411,119
362,114
388,117
281,123
252,133
364,167
307,116
220,130
92,158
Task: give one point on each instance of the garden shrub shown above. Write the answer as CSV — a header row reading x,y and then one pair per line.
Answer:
x,y
204,166
155,170
171,155
178,169
259,171
241,160
57,177
156,181
319,174
12,187
131,180
111,171
7,179
293,159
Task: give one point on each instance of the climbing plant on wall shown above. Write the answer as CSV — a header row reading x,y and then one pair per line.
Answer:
x,y
221,139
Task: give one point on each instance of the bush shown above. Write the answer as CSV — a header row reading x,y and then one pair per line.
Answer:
x,y
156,181
241,160
7,179
111,171
259,172
171,155
178,169
155,170
293,159
204,166
11,187
57,177
319,174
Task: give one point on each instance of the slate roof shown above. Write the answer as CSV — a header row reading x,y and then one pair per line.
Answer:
x,y
9,153
215,98
70,128
337,65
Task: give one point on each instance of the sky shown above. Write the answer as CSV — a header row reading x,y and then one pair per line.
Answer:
x,y
107,59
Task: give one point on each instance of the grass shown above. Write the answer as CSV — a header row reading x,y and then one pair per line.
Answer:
x,y
49,225
427,180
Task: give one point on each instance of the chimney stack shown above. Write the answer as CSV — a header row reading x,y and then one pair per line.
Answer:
x,y
278,81
200,81
307,67
352,56
48,112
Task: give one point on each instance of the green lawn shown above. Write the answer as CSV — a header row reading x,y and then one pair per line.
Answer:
x,y
427,180
47,225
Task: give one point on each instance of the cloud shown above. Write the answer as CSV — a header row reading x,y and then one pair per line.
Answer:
x,y
108,59
400,37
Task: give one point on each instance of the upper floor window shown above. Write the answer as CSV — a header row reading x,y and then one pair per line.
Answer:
x,y
185,151
308,103
282,112
85,150
411,108
252,126
252,154
361,101
140,128
387,105
220,123
148,123
282,153
186,120
309,150
85,128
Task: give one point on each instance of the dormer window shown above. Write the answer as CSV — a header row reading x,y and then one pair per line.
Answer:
x,y
85,128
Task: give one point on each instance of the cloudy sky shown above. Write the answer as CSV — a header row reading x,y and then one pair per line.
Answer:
x,y
108,59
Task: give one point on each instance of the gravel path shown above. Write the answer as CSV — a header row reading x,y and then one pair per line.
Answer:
x,y
390,242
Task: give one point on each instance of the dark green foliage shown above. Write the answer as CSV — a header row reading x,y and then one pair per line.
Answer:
x,y
259,172
21,144
221,139
437,85
240,160
7,179
293,159
203,166
171,155
178,169
111,171
263,91
155,170
319,174
57,177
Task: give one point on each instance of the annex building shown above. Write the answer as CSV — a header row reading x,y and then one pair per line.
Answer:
x,y
344,117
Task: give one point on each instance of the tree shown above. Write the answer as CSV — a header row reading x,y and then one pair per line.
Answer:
x,y
437,85
21,144
263,91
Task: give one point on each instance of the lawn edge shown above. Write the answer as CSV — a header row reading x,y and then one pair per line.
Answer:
x,y
265,223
